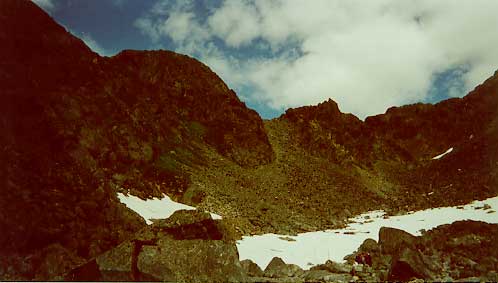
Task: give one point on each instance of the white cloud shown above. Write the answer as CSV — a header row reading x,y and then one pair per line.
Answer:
x,y
181,27
237,22
366,55
47,5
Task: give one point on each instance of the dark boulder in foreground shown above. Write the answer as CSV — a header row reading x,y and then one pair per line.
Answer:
x,y
392,240
410,263
190,261
187,247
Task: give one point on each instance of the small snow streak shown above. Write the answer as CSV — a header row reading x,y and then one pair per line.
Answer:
x,y
443,154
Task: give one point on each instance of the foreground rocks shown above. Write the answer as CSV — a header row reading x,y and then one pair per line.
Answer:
x,y
187,247
192,247
277,268
465,251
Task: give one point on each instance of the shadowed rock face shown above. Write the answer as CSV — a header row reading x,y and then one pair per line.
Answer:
x,y
203,253
77,128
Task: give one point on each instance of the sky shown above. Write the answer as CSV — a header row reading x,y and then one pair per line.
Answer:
x,y
277,54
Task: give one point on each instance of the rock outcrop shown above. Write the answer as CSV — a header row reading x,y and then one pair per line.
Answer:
x,y
251,268
392,240
187,247
277,268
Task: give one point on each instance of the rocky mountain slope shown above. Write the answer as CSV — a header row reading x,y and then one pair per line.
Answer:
x,y
330,165
79,128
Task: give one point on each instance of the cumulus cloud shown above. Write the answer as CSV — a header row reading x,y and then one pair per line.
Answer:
x,y
237,22
366,55
47,5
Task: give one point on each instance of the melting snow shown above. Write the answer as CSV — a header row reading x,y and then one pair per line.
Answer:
x,y
317,247
155,208
443,154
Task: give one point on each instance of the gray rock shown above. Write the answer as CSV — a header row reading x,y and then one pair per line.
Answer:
x,y
251,268
333,267
191,224
188,246
277,268
325,276
391,240
369,246
191,261
116,264
315,275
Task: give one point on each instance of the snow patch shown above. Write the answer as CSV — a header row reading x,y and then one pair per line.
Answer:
x,y
314,248
155,208
443,154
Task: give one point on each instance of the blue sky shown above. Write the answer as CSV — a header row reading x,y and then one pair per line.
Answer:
x,y
277,54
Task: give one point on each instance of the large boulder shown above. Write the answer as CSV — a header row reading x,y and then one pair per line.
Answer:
x,y
369,246
391,240
190,224
117,264
411,263
251,268
333,267
189,246
191,261
326,276
277,268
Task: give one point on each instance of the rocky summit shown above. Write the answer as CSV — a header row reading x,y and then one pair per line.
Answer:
x,y
78,128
